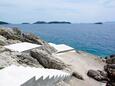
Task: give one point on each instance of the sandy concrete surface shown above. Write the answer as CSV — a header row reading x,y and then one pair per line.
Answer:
x,y
82,62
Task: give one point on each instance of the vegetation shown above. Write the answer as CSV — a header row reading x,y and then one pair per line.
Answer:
x,y
52,22
98,23
59,22
40,22
2,22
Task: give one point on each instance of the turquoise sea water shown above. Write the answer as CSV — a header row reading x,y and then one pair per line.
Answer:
x,y
98,39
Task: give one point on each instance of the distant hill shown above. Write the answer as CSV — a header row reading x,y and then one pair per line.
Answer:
x,y
40,22
98,23
2,22
52,22
59,22
25,23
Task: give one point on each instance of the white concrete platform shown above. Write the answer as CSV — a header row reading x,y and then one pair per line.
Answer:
x,y
20,47
27,76
61,47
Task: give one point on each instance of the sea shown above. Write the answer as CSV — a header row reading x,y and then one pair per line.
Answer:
x,y
98,39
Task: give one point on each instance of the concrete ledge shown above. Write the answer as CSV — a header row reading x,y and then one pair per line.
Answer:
x,y
61,47
20,47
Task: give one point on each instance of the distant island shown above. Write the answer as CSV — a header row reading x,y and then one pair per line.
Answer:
x,y
98,23
25,23
52,22
2,22
40,22
59,22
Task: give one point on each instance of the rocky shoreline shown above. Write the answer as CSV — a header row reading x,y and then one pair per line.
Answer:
x,y
39,57
108,75
45,57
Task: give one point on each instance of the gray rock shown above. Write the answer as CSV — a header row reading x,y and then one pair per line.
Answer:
x,y
110,60
77,75
25,58
47,60
97,75
14,35
62,83
111,66
11,41
6,59
3,40
49,49
29,37
16,31
9,34
111,73
110,69
113,55
3,49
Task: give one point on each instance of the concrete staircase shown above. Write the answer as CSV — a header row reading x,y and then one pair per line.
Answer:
x,y
30,76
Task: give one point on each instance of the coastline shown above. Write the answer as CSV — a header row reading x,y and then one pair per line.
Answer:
x,y
77,63
94,43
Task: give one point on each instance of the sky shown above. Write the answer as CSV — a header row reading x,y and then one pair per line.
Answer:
x,y
76,11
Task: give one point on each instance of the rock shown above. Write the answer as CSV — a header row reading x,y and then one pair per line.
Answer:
x,y
49,49
104,75
106,57
18,58
110,60
97,75
29,37
109,83
111,74
3,49
111,66
110,69
14,35
6,59
111,56
1,68
112,83
77,75
10,41
47,60
25,58
3,40
9,34
105,68
17,31
62,83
